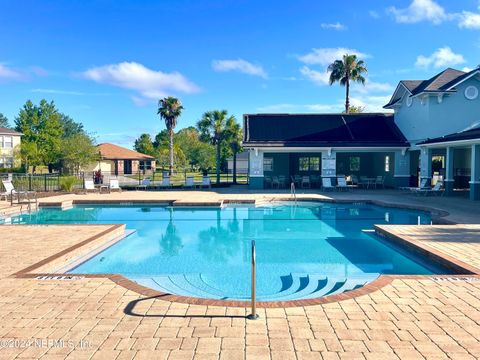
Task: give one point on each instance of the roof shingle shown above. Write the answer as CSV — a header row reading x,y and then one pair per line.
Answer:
x,y
115,152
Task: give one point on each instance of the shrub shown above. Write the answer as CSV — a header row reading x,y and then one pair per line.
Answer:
x,y
67,183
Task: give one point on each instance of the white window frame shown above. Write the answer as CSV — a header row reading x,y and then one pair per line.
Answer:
x,y
5,142
267,167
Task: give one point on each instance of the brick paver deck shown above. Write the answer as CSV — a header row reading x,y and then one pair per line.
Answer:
x,y
410,318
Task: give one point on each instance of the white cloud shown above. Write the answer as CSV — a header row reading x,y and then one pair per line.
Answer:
x,y
317,77
325,56
8,73
335,26
150,84
373,87
56,91
322,108
469,20
374,14
442,57
239,65
467,69
370,103
419,10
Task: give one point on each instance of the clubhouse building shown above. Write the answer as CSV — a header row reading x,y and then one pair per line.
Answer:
x,y
433,135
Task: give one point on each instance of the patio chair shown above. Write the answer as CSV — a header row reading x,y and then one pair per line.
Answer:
x,y
165,184
354,180
306,182
327,184
275,182
314,180
423,185
206,182
114,185
88,185
268,181
282,181
436,190
380,181
189,182
363,182
342,183
297,179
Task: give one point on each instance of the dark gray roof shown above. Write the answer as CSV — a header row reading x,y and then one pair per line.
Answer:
x,y
8,131
322,130
471,134
438,83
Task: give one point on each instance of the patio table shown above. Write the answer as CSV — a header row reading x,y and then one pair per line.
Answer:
x,y
370,181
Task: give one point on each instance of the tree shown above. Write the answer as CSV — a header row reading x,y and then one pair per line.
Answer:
x,y
212,129
170,109
234,136
77,152
144,145
203,156
161,139
352,109
28,153
346,70
70,127
4,121
41,125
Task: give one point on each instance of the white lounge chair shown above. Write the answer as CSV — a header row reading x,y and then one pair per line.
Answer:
x,y
89,186
436,190
189,182
21,197
114,185
342,183
423,185
165,182
9,190
327,184
306,182
206,182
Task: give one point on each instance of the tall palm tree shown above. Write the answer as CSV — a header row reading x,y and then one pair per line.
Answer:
x,y
212,127
346,70
170,109
234,136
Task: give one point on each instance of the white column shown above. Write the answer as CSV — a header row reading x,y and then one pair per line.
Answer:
x,y
426,165
449,180
329,163
475,173
255,171
402,168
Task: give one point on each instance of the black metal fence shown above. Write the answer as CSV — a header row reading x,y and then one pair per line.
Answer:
x,y
34,182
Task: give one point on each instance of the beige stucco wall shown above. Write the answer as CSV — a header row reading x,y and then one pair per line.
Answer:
x,y
104,166
9,152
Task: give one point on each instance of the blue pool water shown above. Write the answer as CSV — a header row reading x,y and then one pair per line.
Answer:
x,y
304,251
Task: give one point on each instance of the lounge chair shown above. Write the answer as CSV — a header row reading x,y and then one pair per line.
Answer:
x,y
189,183
306,182
165,182
436,190
327,184
114,185
206,182
88,185
363,182
21,197
423,185
282,180
342,183
268,182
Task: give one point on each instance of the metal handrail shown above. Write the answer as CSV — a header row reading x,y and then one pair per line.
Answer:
x,y
293,193
254,315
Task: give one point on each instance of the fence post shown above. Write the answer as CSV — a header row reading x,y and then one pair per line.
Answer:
x,y
139,181
30,182
45,182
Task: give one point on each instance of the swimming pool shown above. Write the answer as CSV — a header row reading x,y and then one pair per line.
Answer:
x,y
303,251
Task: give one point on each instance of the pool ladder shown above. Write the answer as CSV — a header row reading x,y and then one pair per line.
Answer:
x,y
293,193
253,315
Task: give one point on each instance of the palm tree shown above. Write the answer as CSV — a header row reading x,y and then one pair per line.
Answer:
x,y
170,109
212,127
234,137
346,70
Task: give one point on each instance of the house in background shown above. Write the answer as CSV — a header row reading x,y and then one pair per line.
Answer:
x,y
117,160
242,163
9,139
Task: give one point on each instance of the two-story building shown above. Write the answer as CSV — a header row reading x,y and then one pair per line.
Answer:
x,y
433,134
9,139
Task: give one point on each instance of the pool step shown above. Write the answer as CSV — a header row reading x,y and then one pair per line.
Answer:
x,y
294,286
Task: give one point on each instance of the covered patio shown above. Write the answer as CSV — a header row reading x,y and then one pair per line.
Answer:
x,y
365,149
459,155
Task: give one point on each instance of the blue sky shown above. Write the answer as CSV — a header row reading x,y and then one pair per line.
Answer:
x,y
106,63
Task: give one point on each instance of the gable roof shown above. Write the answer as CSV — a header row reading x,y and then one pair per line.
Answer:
x,y
472,134
442,82
7,131
115,152
322,130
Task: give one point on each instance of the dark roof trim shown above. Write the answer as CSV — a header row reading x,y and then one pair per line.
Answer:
x,y
472,134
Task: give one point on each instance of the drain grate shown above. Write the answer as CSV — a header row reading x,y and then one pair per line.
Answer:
x,y
455,278
59,277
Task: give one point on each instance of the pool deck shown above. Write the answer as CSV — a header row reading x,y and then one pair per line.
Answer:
x,y
405,318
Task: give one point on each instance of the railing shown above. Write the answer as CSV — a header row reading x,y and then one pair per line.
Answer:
x,y
293,193
33,182
253,315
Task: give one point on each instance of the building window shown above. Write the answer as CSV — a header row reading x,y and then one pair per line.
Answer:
x,y
267,164
1,142
145,165
6,162
471,92
355,163
7,142
309,164
387,163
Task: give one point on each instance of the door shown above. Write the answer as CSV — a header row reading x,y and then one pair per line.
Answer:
x,y
127,167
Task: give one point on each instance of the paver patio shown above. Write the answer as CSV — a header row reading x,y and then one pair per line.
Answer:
x,y
410,318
